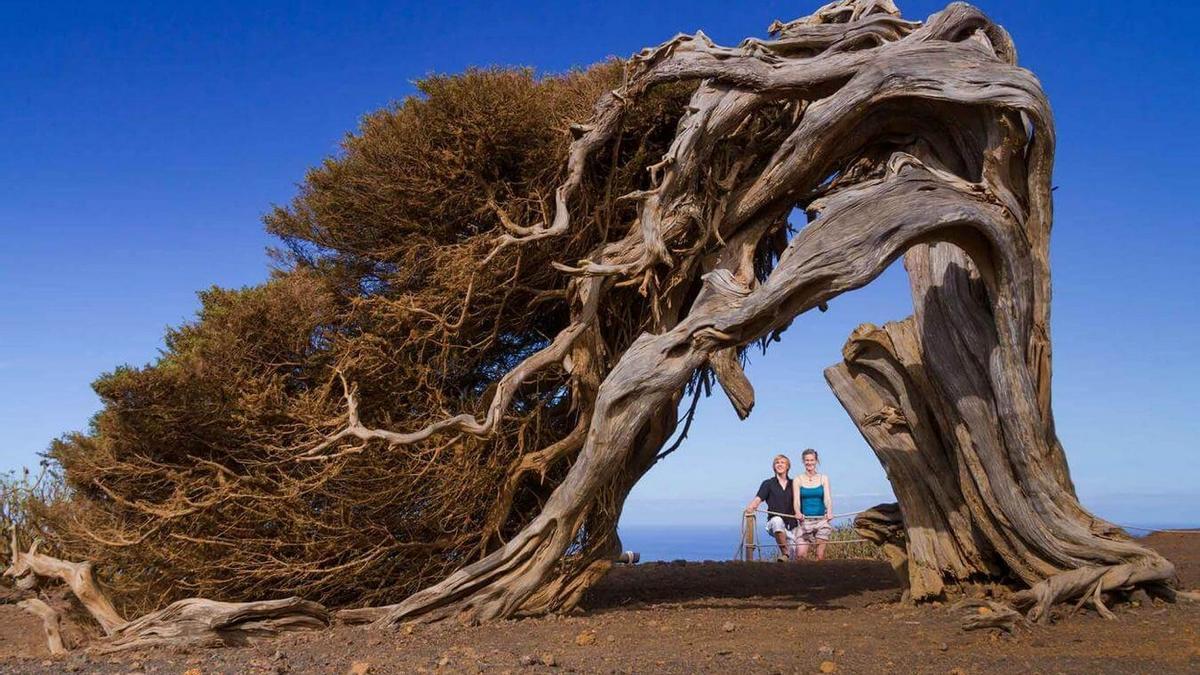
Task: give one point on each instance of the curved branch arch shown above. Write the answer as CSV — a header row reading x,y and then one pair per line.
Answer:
x,y
898,138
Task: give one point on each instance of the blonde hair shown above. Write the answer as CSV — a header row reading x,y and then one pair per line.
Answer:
x,y
784,458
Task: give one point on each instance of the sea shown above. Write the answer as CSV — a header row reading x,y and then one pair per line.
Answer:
x,y
681,542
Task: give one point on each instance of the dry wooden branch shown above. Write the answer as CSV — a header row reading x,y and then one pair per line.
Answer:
x,y
988,614
208,623
77,576
51,621
194,621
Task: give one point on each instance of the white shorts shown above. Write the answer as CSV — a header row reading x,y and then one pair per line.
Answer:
x,y
775,524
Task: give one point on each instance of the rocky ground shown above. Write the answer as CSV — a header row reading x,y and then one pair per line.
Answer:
x,y
837,616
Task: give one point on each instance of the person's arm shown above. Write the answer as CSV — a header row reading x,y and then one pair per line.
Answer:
x,y
828,498
758,498
796,500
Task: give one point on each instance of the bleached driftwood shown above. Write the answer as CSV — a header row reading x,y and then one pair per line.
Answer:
x,y
51,622
193,621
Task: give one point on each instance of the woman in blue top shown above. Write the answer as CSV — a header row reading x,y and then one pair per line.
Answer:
x,y
814,507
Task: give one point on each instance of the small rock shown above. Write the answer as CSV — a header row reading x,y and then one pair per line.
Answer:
x,y
985,610
828,667
585,638
825,650
943,646
957,671
278,656
530,660
47,662
549,660
444,661
728,627
724,652
611,638
359,668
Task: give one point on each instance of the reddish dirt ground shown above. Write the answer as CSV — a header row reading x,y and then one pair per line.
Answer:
x,y
705,617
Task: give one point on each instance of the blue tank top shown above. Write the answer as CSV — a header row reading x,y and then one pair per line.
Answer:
x,y
812,500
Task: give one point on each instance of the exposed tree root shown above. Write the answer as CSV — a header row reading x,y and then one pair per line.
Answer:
x,y
989,614
51,622
194,621
77,576
208,623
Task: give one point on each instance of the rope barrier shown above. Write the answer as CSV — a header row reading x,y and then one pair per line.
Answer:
x,y
1127,527
792,515
1157,529
743,546
808,543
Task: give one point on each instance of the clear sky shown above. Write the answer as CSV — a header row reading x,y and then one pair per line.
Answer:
x,y
143,141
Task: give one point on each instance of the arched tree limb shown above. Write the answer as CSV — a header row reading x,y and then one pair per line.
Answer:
x,y
897,138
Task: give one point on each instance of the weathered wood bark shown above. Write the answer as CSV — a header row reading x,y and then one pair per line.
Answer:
x,y
897,138
77,576
883,525
194,621
51,621
208,623
955,416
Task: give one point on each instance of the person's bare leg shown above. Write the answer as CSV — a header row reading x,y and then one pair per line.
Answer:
x,y
801,550
781,537
821,550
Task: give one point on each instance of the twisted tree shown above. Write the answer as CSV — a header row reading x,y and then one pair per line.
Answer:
x,y
488,328
897,138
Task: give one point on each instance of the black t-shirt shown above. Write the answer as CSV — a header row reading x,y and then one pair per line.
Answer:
x,y
778,499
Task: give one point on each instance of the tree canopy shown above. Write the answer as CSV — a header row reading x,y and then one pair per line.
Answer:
x,y
187,482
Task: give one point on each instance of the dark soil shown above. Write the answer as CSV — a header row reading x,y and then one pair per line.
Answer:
x,y
706,617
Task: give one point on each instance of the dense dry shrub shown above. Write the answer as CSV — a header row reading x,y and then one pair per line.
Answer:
x,y
188,481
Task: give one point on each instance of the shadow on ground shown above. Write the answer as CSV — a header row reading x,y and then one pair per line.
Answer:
x,y
842,584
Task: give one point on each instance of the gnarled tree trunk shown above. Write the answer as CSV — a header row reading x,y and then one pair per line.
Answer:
x,y
898,138
979,476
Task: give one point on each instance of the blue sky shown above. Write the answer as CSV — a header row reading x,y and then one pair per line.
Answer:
x,y
143,141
